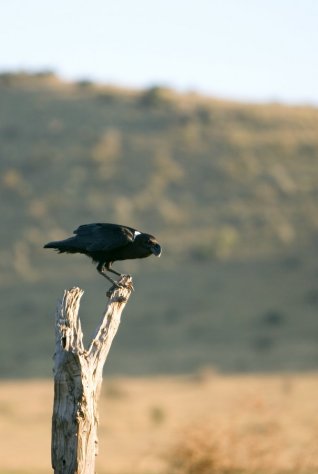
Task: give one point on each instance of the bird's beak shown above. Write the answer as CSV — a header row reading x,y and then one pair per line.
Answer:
x,y
156,250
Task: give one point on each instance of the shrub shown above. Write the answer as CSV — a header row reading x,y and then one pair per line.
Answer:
x,y
154,96
197,452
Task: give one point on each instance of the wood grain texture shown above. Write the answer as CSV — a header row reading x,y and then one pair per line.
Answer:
x,y
78,378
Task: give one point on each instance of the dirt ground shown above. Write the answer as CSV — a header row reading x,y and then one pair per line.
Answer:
x,y
253,422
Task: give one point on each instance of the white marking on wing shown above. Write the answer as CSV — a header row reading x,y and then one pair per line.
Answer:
x,y
136,233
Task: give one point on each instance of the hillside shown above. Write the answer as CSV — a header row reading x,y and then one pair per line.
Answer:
x,y
229,189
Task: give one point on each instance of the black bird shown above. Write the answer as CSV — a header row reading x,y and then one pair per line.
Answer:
x,y
107,243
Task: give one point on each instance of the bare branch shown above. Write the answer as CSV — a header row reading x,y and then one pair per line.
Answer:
x,y
105,334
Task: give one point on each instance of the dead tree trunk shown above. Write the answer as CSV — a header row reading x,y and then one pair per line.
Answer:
x,y
78,379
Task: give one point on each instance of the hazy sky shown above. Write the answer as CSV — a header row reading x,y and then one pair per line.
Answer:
x,y
243,49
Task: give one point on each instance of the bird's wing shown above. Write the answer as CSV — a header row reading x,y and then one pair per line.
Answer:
x,y
104,237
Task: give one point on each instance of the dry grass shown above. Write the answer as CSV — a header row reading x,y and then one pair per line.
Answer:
x,y
204,424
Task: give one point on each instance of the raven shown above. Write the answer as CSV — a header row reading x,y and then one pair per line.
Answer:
x,y
107,243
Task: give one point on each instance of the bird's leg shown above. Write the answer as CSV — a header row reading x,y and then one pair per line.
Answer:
x,y
109,269
113,271
101,267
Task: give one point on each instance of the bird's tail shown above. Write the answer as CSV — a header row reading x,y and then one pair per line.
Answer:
x,y
62,245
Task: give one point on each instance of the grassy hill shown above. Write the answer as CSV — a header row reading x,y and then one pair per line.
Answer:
x,y
229,189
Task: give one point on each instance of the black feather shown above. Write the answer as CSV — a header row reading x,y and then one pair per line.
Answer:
x,y
107,243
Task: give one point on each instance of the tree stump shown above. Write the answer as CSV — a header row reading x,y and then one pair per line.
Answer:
x,y
78,378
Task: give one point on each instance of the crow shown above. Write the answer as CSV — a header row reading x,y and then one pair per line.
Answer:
x,y
107,243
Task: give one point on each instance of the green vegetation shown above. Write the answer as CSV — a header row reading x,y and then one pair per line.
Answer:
x,y
229,189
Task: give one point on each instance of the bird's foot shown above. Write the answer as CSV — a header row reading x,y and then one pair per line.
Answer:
x,y
111,290
125,281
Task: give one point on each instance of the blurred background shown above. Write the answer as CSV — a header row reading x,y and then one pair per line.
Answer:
x,y
194,121
196,124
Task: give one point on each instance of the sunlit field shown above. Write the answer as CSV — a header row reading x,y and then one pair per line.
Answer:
x,y
199,424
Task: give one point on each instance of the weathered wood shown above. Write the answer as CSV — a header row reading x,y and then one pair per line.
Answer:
x,y
78,379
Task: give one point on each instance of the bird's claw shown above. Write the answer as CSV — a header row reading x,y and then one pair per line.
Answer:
x,y
129,284
117,284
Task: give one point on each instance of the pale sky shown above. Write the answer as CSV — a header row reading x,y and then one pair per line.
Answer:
x,y
251,50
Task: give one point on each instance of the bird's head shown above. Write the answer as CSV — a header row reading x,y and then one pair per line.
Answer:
x,y
150,243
